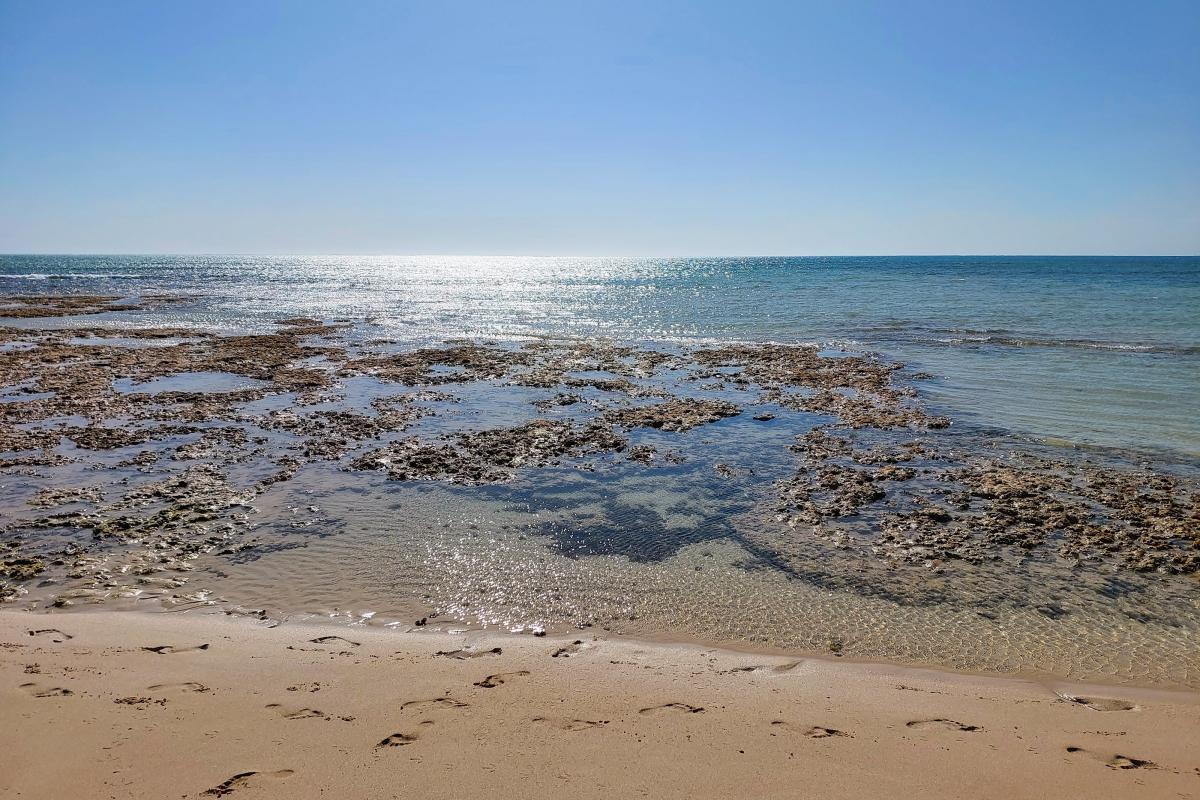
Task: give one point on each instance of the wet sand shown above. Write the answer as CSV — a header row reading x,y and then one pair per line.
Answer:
x,y
129,705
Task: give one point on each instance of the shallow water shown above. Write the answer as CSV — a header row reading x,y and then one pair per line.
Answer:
x,y
1047,353
670,557
189,382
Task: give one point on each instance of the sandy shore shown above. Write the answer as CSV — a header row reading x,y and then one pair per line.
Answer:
x,y
127,705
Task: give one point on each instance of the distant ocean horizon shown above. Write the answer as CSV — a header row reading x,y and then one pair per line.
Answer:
x,y
578,256
1083,350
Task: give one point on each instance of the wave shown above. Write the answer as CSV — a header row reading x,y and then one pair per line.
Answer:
x,y
1001,337
1086,344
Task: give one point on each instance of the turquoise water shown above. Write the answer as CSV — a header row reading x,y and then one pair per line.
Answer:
x,y
1089,350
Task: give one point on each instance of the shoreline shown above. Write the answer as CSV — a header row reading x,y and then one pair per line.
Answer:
x,y
159,706
665,639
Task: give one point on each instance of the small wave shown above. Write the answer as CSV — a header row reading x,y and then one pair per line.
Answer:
x,y
1003,337
1086,344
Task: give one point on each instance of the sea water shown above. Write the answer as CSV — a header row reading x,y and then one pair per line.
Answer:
x,y
1094,350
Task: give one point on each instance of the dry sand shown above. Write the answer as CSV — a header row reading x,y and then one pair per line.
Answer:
x,y
127,705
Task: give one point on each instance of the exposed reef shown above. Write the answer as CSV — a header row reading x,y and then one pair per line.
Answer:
x,y
490,456
135,451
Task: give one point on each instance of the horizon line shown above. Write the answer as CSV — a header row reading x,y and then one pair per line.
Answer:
x,y
576,255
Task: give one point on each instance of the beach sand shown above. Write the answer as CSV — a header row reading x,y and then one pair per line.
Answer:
x,y
132,705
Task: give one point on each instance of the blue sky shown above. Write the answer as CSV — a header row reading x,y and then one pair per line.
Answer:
x,y
613,128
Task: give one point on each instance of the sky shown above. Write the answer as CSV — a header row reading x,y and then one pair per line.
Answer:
x,y
600,128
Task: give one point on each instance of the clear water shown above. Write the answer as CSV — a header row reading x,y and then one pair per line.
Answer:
x,y
189,382
1086,350
1083,351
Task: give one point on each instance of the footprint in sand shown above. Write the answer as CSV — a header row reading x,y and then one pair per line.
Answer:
x,y
568,650
56,636
1115,761
186,686
680,707
583,724
814,732
572,724
953,725
397,740
817,732
333,640
467,652
246,780
1100,703
40,690
492,681
315,686
164,649
292,712
771,669
433,704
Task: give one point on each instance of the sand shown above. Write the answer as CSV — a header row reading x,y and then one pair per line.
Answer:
x,y
131,705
